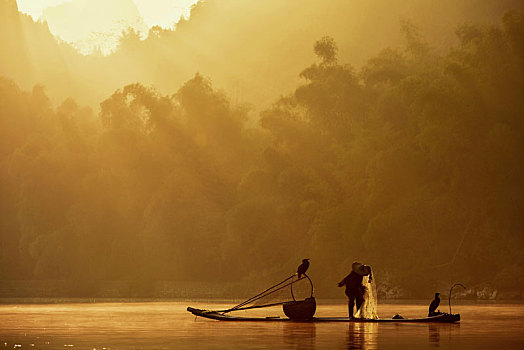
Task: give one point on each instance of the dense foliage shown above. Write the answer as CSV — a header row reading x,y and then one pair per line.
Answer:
x,y
413,164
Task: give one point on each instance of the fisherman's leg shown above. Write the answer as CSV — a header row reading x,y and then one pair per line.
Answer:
x,y
360,298
351,303
360,301
351,306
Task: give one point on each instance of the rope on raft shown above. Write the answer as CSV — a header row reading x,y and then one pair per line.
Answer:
x,y
263,294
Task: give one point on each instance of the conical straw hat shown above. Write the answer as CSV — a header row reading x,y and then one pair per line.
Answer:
x,y
361,269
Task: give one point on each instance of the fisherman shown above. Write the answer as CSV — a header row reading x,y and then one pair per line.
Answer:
x,y
354,288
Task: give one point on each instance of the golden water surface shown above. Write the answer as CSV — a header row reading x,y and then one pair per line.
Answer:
x,y
167,325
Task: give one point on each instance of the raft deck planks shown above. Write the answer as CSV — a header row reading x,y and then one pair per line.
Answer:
x,y
442,318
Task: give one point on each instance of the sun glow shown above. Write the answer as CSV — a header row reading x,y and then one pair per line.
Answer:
x,y
97,24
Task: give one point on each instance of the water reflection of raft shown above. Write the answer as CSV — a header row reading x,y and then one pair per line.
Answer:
x,y
214,315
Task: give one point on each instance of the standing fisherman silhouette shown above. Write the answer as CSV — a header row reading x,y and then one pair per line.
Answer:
x,y
433,306
302,268
354,288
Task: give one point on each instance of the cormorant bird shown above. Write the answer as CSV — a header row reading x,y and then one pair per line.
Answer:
x,y
302,268
434,304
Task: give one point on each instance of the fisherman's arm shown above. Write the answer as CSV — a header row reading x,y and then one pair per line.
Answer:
x,y
343,282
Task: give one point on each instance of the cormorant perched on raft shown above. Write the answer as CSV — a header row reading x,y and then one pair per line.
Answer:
x,y
302,268
433,306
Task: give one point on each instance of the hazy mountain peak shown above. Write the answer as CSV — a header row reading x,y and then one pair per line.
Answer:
x,y
94,23
8,6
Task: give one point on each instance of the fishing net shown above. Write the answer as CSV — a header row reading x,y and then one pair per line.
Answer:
x,y
369,307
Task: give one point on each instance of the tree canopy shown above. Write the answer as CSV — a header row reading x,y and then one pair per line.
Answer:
x,y
412,163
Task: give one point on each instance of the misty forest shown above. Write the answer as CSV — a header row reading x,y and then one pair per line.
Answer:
x,y
157,163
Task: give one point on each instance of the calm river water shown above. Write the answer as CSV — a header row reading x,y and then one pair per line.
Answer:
x,y
167,325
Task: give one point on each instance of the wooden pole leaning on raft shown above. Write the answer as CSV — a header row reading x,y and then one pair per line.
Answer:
x,y
263,294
